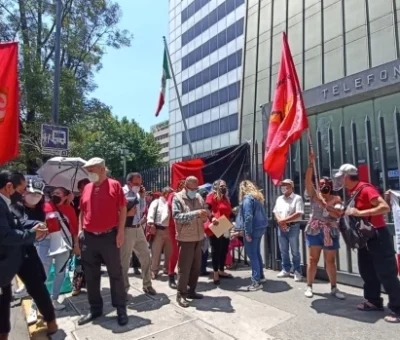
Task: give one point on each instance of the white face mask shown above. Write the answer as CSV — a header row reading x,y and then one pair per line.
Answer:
x,y
93,177
284,190
135,189
32,199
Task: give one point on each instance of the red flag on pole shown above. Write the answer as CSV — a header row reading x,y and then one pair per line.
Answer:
x,y
9,102
288,117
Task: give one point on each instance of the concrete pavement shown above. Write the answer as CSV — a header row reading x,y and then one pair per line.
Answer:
x,y
279,311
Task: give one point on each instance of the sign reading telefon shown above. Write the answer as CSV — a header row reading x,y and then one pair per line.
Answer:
x,y
55,140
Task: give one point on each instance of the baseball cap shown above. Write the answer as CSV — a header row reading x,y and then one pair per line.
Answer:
x,y
94,161
35,186
288,181
346,169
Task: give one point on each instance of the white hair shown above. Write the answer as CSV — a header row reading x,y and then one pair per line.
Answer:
x,y
191,179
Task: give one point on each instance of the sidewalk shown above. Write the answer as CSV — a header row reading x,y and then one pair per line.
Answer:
x,y
279,311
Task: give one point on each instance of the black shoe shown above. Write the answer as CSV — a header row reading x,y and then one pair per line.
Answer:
x,y
217,282
88,318
205,273
136,271
149,290
182,301
171,282
195,296
122,317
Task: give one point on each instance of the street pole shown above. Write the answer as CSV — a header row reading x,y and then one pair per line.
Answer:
x,y
178,97
56,89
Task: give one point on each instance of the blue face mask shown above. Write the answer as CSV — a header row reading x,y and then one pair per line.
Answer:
x,y
191,194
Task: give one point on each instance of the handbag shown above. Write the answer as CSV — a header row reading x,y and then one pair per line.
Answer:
x,y
356,231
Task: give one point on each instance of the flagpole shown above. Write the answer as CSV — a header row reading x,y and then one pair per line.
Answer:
x,y
310,144
178,97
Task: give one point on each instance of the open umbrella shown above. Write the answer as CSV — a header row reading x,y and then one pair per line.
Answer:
x,y
63,172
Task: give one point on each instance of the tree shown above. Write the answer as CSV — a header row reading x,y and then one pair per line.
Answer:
x,y
89,27
105,136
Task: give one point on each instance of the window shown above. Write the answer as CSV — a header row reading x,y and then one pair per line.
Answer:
x,y
232,91
206,76
213,44
213,17
206,103
223,96
233,122
207,130
223,66
205,49
222,39
214,99
199,106
215,128
232,62
221,11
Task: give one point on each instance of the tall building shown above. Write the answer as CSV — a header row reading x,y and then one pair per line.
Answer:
x,y
346,54
160,133
205,43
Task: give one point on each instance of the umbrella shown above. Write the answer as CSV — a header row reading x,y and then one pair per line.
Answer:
x,y
63,172
205,187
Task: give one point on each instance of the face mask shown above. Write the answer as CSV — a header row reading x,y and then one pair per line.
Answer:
x,y
32,199
93,177
222,191
56,199
325,189
16,197
191,194
284,190
135,189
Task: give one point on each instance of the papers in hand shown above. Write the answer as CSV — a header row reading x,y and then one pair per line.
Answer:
x,y
223,226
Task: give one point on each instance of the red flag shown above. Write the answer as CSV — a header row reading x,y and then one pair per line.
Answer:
x,y
9,102
288,117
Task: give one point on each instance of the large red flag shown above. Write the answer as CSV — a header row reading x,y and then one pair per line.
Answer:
x,y
288,117
9,102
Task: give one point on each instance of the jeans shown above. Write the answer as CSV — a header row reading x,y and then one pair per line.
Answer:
x,y
59,261
253,251
290,238
377,265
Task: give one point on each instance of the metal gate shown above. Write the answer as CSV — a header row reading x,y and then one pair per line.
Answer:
x,y
345,148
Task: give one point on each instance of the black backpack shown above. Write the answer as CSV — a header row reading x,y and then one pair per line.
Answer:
x,y
356,231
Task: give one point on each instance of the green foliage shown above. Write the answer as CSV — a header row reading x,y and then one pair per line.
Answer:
x,y
89,27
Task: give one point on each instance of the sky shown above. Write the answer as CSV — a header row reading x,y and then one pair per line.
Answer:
x,y
130,79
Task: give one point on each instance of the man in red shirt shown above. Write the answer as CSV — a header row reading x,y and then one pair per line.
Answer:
x,y
377,261
102,218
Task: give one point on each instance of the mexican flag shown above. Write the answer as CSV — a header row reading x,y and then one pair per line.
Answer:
x,y
165,75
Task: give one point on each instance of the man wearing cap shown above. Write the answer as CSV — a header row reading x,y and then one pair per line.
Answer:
x,y
376,262
102,218
288,211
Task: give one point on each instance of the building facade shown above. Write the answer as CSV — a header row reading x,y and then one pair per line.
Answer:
x,y
205,44
160,132
346,55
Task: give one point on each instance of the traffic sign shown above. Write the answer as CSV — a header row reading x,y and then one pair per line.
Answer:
x,y
55,140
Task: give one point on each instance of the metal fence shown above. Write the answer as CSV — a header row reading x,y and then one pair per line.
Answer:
x,y
157,178
346,147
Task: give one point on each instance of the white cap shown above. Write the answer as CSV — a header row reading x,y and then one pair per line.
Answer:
x,y
347,169
94,161
288,181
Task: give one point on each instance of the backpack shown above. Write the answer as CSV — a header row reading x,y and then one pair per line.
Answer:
x,y
356,231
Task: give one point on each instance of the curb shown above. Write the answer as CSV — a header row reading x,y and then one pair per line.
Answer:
x,y
36,331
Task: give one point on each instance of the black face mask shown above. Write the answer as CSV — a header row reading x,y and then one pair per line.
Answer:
x,y
325,189
56,199
222,191
16,197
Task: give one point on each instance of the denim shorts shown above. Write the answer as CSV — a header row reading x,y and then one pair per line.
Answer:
x,y
318,240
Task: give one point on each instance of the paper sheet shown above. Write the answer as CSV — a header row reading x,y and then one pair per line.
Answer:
x,y
223,226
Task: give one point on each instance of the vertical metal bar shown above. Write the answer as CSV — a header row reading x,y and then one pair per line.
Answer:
x,y
300,162
383,152
344,37
267,204
303,49
354,142
396,28
178,97
57,66
290,159
322,43
396,118
368,33
270,50
319,152
369,146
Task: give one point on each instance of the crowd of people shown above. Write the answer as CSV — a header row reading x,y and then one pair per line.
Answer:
x,y
123,227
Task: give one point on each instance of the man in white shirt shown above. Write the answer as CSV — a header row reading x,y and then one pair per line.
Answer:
x,y
158,220
288,211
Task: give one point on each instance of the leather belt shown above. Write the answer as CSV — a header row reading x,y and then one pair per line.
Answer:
x,y
103,232
134,226
292,223
160,227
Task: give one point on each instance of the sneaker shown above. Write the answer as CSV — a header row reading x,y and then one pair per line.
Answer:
x,y
20,293
58,306
298,277
309,292
32,317
254,287
283,274
263,280
338,294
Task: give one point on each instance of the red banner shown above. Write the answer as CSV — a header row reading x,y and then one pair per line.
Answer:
x,y
9,102
288,117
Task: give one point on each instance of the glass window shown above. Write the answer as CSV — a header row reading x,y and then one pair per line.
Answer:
x,y
205,49
239,56
383,46
239,2
213,17
204,24
231,34
223,66
214,71
232,62
192,109
223,96
206,103
353,21
185,88
224,125
221,11
185,63
184,139
213,44
200,132
198,80
214,99
215,128
197,30
313,31
232,91
197,53
239,27
186,111
356,56
333,21
205,75
222,39
199,106
230,6
207,130
233,122
192,83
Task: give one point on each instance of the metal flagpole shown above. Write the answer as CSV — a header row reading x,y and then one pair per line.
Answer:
x,y
179,98
310,144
